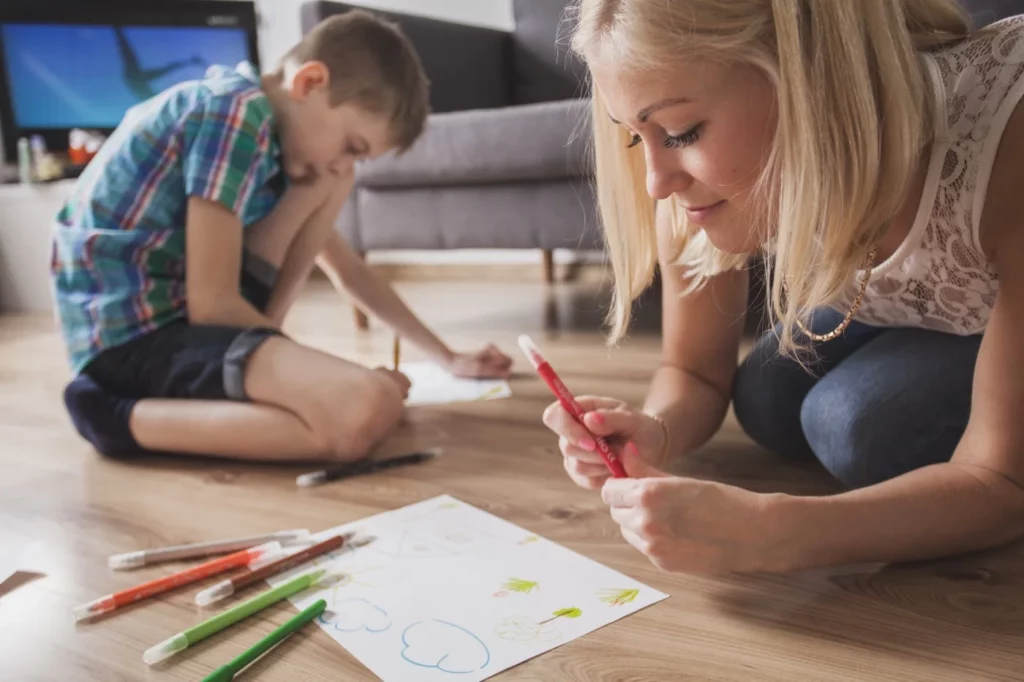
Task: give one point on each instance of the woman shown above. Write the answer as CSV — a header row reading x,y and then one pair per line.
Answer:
x,y
874,151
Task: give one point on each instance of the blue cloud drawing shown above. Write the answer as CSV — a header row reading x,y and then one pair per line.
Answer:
x,y
445,646
353,615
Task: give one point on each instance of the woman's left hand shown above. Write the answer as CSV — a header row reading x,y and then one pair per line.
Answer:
x,y
687,525
489,363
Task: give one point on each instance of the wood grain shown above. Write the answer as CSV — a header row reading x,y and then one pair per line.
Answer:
x,y
63,509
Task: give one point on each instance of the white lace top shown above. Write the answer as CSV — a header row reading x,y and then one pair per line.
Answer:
x,y
939,278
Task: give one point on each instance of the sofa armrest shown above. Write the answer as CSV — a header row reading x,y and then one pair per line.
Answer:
x,y
469,67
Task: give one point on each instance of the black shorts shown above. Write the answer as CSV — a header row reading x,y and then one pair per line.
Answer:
x,y
182,360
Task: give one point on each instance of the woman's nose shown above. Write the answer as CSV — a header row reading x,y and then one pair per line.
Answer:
x,y
665,175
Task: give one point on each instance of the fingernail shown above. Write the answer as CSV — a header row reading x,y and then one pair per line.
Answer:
x,y
632,449
587,444
598,419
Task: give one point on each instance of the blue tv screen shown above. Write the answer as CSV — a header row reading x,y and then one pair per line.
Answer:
x,y
88,76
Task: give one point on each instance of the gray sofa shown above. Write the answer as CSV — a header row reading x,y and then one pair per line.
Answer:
x,y
502,163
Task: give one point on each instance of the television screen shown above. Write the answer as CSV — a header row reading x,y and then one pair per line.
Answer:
x,y
88,76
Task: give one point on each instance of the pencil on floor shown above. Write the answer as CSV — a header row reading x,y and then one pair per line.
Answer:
x,y
395,353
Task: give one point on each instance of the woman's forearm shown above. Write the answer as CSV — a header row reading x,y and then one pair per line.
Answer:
x,y
691,408
932,512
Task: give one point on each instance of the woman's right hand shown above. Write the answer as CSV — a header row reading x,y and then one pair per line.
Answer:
x,y
624,429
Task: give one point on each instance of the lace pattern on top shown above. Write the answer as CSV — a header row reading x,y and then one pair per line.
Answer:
x,y
939,278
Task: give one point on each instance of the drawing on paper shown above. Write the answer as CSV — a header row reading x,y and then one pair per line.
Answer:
x,y
445,646
516,585
618,597
357,615
408,605
526,630
433,385
572,612
423,541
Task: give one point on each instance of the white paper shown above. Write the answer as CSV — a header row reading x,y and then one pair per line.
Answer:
x,y
447,591
433,385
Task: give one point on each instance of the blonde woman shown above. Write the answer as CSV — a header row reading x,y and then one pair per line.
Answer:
x,y
874,149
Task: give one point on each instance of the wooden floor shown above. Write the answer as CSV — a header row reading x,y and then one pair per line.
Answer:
x,y
63,510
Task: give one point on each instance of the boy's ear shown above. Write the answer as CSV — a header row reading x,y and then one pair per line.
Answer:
x,y
308,77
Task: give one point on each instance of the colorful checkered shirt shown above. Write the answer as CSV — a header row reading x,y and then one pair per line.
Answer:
x,y
118,256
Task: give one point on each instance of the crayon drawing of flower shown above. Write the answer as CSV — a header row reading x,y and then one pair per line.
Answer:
x,y
618,597
518,585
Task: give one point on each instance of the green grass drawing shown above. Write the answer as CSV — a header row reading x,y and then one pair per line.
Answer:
x,y
618,597
517,585
528,540
572,612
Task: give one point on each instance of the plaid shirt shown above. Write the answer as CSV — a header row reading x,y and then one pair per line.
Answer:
x,y
118,253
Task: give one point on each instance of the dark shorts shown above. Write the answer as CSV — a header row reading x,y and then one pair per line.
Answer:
x,y
182,360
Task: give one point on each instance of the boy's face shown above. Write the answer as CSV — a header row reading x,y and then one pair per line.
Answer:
x,y
317,138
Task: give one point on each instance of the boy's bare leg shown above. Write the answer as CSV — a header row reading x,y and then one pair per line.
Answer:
x,y
306,405
224,428
289,238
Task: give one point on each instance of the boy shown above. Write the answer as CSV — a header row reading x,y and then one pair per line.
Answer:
x,y
172,319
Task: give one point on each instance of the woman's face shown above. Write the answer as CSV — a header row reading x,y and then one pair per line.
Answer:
x,y
705,130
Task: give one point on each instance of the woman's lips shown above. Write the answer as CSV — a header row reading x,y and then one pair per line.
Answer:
x,y
701,214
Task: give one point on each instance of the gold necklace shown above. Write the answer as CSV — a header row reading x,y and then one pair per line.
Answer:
x,y
824,338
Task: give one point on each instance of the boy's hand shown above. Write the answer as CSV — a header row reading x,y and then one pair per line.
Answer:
x,y
490,363
400,380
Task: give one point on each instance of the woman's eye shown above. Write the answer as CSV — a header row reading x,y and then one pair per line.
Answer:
x,y
685,140
634,141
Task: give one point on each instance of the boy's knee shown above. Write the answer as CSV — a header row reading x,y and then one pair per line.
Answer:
x,y
366,411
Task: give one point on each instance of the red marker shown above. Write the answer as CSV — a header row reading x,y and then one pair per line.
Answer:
x,y
569,402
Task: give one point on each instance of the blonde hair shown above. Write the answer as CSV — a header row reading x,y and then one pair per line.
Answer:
x,y
854,113
373,64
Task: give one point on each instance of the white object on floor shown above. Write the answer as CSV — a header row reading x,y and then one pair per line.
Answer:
x,y
433,385
447,591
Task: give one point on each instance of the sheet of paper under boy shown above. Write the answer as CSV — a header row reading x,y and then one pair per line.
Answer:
x,y
447,591
433,385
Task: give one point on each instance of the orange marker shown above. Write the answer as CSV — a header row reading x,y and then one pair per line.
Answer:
x,y
169,582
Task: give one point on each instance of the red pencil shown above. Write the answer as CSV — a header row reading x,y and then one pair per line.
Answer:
x,y
568,401
169,582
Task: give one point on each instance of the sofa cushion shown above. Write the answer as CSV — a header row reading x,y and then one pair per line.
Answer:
x,y
544,69
524,143
559,214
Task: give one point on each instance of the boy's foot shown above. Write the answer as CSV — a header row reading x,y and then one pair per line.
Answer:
x,y
101,417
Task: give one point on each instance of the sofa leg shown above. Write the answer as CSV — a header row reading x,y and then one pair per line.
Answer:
x,y
362,321
549,266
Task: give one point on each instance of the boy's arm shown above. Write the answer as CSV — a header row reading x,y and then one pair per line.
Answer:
x,y
347,270
301,255
213,260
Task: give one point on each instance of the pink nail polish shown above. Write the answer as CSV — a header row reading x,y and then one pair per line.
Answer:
x,y
598,419
632,449
587,444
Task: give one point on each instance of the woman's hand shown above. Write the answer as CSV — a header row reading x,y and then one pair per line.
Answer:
x,y
489,363
626,431
691,526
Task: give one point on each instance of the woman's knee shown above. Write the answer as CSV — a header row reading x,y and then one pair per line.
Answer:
x,y
845,426
767,394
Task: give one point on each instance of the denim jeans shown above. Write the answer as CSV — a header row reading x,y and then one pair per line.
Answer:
x,y
871,405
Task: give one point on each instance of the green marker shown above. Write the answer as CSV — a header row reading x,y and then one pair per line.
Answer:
x,y
197,633
226,673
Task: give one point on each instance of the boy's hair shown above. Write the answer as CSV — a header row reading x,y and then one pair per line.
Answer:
x,y
855,111
372,64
